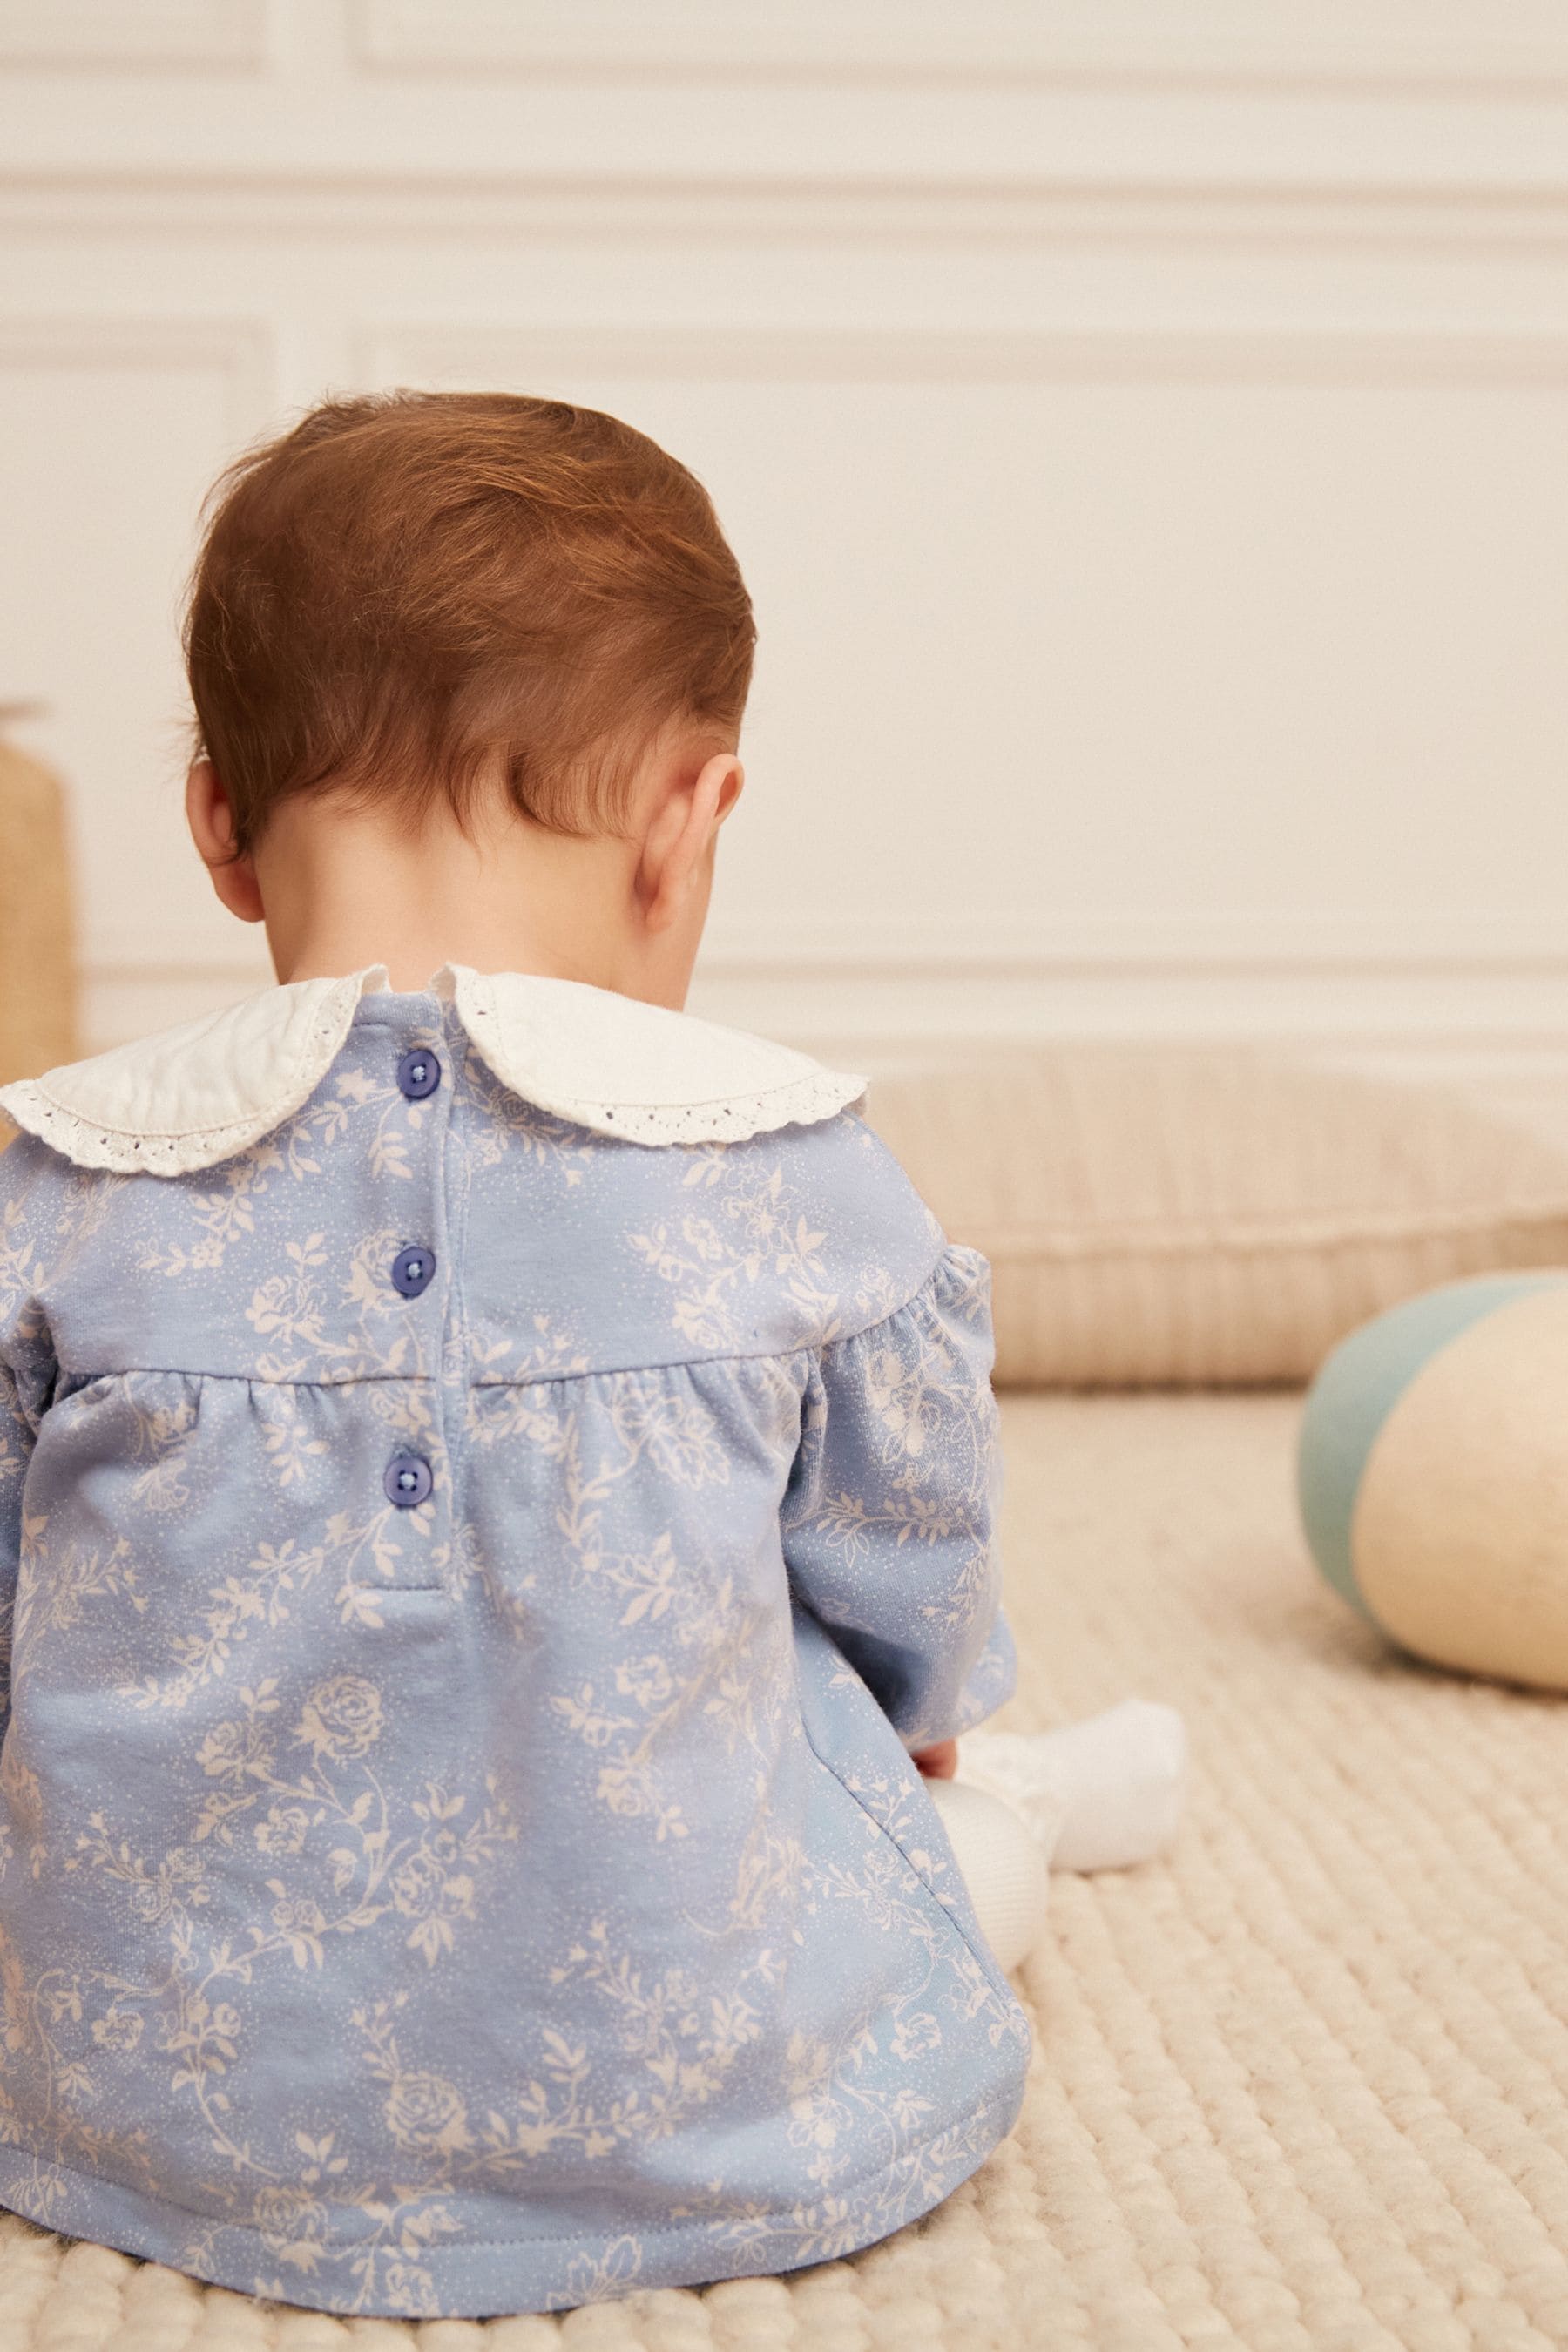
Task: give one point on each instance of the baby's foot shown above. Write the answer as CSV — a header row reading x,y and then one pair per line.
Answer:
x,y
1099,1794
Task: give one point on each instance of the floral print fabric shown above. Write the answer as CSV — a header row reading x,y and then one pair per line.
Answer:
x,y
502,1901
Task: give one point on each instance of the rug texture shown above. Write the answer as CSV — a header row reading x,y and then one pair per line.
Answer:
x,y
1300,2088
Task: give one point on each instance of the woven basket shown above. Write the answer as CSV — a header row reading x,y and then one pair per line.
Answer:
x,y
37,943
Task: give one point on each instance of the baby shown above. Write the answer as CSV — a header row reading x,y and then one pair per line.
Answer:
x,y
496,1477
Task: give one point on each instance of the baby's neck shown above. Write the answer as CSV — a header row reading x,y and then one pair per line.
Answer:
x,y
346,889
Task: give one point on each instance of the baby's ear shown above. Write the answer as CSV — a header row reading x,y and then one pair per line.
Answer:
x,y
210,815
676,848
731,790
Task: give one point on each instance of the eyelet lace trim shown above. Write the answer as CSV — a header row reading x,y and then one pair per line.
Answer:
x,y
128,1152
815,1094
802,1102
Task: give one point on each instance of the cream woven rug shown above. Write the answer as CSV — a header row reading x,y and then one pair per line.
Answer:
x,y
1299,2089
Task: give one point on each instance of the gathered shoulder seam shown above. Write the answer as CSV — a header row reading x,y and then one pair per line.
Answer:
x,y
813,1347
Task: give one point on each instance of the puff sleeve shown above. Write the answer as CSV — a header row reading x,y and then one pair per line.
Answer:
x,y
890,1519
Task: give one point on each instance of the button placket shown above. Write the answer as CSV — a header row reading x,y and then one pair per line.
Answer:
x,y
407,1480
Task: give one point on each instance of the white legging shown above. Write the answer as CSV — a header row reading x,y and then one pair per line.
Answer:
x,y
1002,1863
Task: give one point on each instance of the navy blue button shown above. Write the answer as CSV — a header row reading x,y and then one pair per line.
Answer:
x,y
419,1073
412,1269
406,1480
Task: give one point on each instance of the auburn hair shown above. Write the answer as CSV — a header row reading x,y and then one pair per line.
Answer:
x,y
411,595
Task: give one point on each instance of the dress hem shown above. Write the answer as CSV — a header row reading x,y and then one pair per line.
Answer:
x,y
491,2278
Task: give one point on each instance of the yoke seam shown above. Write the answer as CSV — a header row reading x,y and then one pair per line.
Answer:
x,y
814,1348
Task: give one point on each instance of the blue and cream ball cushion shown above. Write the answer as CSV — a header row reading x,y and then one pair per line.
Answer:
x,y
1434,1474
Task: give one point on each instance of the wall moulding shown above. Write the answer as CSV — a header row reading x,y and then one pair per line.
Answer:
x,y
1338,44
1484,1025
1287,945
171,34
1459,222
549,356
1280,943
242,350
1382,47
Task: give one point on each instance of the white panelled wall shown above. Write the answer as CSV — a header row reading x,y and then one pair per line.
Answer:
x,y
1144,430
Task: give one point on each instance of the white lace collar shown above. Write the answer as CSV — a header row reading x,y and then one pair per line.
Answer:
x,y
191,1096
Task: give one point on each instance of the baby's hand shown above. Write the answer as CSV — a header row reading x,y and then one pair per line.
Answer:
x,y
938,1763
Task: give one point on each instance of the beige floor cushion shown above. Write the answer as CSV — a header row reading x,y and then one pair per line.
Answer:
x,y
1175,1215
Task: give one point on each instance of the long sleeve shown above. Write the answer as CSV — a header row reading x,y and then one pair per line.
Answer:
x,y
25,1373
16,1452
888,1523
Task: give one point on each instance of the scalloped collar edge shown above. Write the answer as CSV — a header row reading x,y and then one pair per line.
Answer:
x,y
185,1098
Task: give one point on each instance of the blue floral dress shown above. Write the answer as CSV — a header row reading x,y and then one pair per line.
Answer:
x,y
492,1482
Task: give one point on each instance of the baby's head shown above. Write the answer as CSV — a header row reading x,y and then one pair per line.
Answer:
x,y
468,671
